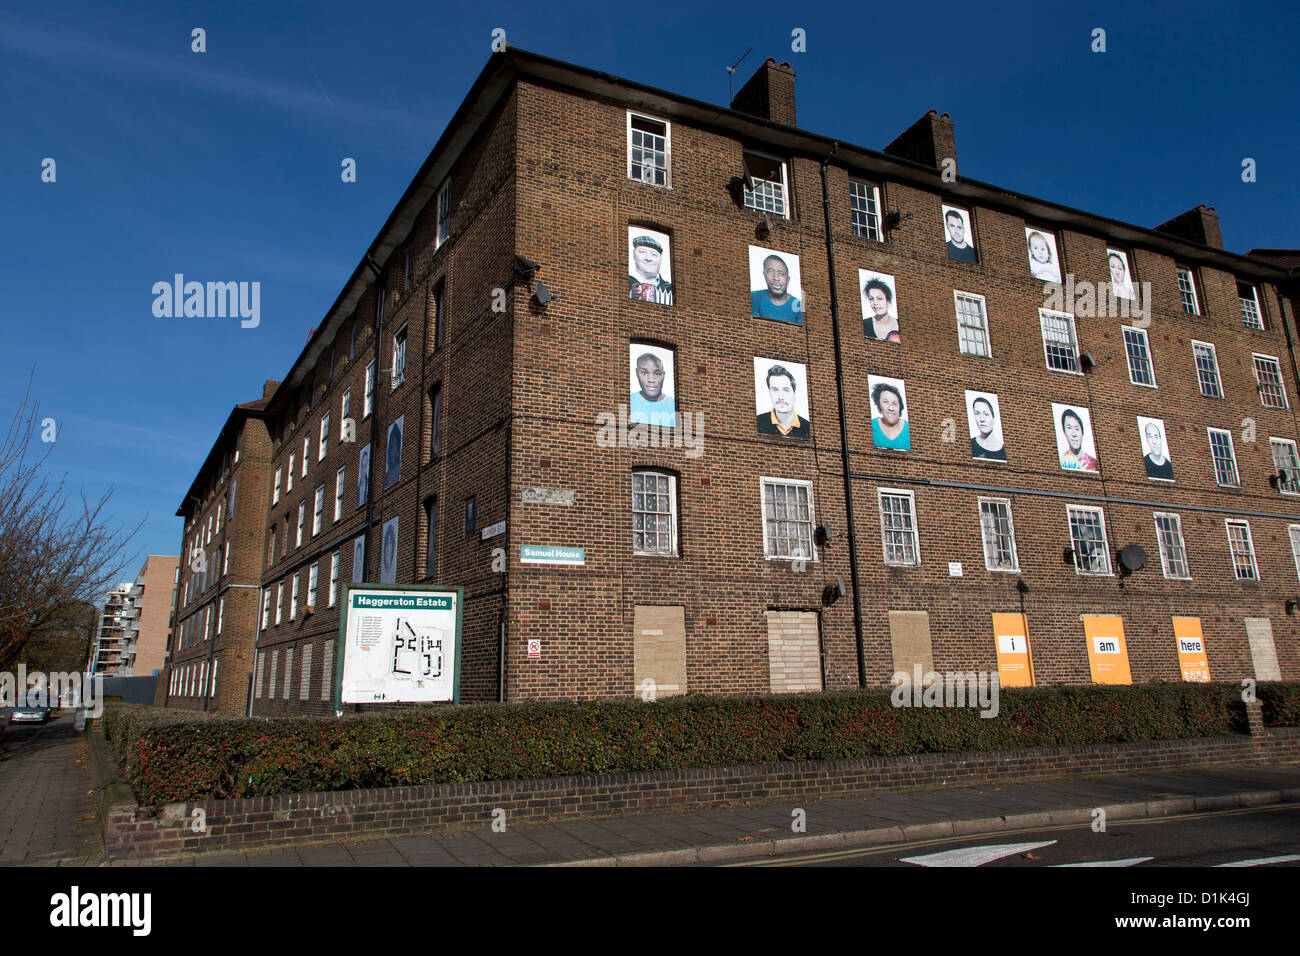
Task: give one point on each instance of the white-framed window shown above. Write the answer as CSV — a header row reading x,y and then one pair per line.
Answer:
x,y
972,324
1242,549
338,492
1088,540
288,483
270,546
220,504
207,622
1248,296
208,539
649,148
1268,375
864,204
266,608
654,513
1293,530
345,409
221,613
999,534
324,445
288,670
261,671
318,511
399,357
302,519
368,403
1207,369
765,184
1138,351
787,518
1173,551
334,578
1187,289
306,453
444,214
1287,464
279,601
1060,344
225,561
1225,460
275,489
293,596
898,537
313,578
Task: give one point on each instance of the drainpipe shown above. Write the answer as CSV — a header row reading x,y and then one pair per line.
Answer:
x,y
844,424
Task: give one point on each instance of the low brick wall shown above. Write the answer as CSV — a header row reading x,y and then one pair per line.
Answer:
x,y
302,818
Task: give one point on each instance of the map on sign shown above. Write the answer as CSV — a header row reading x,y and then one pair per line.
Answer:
x,y
400,645
417,652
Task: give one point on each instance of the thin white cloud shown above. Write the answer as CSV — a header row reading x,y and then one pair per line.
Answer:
x,y
102,56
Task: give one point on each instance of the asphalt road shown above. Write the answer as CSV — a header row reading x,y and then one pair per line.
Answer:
x,y
1211,839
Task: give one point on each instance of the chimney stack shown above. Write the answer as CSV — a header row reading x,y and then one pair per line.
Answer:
x,y
928,141
769,93
1198,225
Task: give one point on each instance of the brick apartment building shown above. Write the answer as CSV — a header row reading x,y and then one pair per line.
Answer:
x,y
134,622
482,362
215,625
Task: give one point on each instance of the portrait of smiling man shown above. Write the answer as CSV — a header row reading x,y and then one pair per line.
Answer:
x,y
649,266
780,389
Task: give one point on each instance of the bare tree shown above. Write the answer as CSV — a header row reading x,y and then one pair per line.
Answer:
x,y
55,556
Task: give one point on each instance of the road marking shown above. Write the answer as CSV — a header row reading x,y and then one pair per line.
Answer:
x,y
974,855
1131,861
1264,860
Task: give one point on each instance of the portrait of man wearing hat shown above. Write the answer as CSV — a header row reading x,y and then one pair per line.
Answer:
x,y
647,264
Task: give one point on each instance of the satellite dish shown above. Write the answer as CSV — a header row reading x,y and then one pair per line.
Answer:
x,y
1068,556
542,293
1132,558
822,534
833,592
1088,362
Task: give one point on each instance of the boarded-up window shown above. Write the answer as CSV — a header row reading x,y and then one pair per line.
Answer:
x,y
659,651
794,659
305,684
1259,631
327,672
909,635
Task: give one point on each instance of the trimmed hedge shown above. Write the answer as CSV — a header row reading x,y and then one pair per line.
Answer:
x,y
171,756
1280,703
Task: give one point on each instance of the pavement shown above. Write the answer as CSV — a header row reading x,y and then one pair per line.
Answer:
x,y
47,818
47,814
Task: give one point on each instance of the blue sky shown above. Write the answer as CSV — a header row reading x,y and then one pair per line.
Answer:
x,y
225,165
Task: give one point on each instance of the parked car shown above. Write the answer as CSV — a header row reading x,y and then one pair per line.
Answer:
x,y
29,715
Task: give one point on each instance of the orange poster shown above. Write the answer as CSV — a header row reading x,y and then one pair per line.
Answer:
x,y
1107,652
1191,649
1011,635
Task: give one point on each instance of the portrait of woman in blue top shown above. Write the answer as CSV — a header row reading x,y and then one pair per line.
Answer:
x,y
888,426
